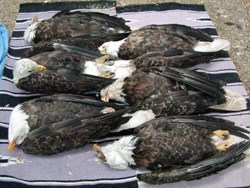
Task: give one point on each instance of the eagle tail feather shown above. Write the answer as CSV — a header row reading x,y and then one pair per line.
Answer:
x,y
216,45
234,102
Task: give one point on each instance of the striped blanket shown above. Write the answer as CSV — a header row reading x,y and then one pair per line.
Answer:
x,y
79,168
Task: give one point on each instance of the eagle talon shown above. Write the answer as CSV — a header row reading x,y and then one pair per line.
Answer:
x,y
222,134
223,146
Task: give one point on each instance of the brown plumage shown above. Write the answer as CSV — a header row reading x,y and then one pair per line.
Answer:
x,y
42,120
144,83
173,58
171,143
51,82
87,42
73,24
160,38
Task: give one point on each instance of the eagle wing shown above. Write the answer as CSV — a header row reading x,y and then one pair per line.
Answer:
x,y
160,38
164,144
73,24
68,134
173,58
176,141
204,168
59,107
62,81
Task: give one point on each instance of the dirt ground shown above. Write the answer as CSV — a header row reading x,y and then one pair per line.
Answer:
x,y
231,17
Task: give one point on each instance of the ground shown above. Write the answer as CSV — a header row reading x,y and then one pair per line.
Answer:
x,y
231,17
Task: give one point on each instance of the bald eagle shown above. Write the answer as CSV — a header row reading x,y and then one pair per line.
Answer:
x,y
62,121
152,83
72,24
174,148
158,38
87,42
67,69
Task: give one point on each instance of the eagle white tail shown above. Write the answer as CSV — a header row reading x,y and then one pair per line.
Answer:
x,y
216,45
235,102
137,118
118,154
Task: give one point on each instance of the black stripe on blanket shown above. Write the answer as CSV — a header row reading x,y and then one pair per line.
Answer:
x,y
12,101
132,184
226,77
163,7
3,135
58,6
8,73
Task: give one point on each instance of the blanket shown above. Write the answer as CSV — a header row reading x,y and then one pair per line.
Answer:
x,y
79,168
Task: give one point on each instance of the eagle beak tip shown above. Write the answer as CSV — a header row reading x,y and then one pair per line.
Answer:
x,y
97,148
12,146
103,52
41,68
105,98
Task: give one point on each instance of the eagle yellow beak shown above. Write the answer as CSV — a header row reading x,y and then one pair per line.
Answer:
x,y
105,98
35,19
103,52
40,68
12,145
99,151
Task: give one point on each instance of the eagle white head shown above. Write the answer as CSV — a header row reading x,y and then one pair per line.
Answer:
x,y
30,32
25,67
18,128
119,153
114,91
111,48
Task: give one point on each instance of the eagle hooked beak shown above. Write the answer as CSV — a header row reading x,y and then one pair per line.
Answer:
x,y
35,19
12,145
103,52
40,68
99,151
105,98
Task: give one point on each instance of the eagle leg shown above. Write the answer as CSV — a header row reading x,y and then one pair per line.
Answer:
x,y
223,146
222,134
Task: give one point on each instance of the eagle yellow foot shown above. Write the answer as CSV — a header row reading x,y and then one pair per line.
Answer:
x,y
223,146
108,110
107,74
222,134
102,59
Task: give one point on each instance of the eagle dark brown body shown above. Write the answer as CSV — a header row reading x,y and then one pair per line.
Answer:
x,y
173,58
181,148
51,82
177,148
141,85
64,61
87,42
73,24
155,38
71,133
144,83
62,122
59,107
